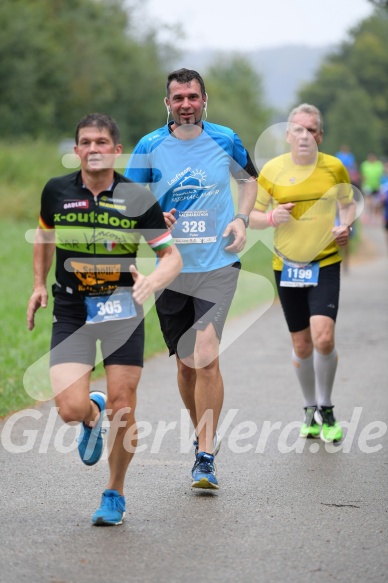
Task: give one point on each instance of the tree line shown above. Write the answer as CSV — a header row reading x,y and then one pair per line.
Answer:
x,y
60,59
351,89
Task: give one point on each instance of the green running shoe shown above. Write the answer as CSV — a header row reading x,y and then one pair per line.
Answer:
x,y
310,428
331,431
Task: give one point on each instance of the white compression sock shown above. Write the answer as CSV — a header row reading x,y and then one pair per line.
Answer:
x,y
304,369
325,368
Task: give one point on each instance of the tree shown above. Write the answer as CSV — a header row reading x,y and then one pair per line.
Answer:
x,y
62,59
236,98
379,3
358,73
351,121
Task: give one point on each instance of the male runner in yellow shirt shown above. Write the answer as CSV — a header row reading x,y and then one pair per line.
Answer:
x,y
303,188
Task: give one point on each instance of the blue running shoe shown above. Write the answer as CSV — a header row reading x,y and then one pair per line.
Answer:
x,y
90,441
216,444
111,511
204,472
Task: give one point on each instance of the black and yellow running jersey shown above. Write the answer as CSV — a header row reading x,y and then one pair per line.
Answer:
x,y
97,238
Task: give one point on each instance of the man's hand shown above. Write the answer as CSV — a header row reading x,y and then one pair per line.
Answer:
x,y
142,288
341,234
37,300
282,213
237,232
170,218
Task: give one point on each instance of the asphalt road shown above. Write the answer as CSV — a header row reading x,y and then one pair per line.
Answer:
x,y
287,509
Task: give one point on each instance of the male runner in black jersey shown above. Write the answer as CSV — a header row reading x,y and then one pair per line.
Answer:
x,y
94,219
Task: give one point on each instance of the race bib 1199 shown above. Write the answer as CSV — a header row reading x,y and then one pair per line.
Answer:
x,y
305,276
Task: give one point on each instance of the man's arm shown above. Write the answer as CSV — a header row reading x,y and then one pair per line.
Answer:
x,y
273,218
247,192
168,268
261,217
44,248
138,170
347,214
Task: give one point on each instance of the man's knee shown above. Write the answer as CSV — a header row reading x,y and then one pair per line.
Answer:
x,y
302,343
207,349
323,334
186,369
71,412
122,403
324,343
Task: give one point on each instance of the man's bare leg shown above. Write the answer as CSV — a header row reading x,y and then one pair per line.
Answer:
x,y
202,388
70,383
122,385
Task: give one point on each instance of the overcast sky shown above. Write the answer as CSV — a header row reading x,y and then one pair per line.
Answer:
x,y
256,24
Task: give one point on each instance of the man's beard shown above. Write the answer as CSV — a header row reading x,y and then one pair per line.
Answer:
x,y
188,122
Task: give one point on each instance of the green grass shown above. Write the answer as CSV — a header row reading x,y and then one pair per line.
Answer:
x,y
24,169
19,347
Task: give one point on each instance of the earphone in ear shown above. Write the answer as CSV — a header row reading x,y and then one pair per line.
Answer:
x,y
205,105
167,106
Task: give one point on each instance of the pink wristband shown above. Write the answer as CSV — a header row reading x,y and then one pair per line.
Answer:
x,y
270,219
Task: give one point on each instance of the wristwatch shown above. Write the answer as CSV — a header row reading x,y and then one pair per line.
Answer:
x,y
244,218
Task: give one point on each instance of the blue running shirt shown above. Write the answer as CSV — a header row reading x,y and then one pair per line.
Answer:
x,y
193,176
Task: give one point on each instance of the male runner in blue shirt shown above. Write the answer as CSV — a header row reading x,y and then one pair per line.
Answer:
x,y
187,164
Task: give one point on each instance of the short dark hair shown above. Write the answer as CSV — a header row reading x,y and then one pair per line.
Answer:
x,y
185,76
100,121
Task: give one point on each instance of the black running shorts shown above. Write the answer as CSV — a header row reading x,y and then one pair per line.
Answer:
x,y
300,303
193,301
122,341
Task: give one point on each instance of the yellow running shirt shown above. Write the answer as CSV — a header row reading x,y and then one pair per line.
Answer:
x,y
315,190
